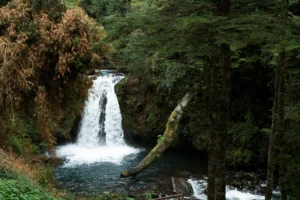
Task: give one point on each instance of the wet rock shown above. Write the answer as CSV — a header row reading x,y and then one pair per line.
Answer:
x,y
262,189
248,176
238,175
245,178
259,189
247,181
135,81
133,86
181,186
236,184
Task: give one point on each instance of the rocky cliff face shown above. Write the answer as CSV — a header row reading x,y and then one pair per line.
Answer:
x,y
145,109
144,113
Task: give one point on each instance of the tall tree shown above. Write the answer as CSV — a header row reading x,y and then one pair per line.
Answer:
x,y
278,112
212,86
273,134
220,151
281,117
217,138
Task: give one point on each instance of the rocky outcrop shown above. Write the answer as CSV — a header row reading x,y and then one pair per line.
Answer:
x,y
144,112
244,180
181,186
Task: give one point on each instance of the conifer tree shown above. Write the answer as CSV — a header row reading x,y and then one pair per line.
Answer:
x,y
278,112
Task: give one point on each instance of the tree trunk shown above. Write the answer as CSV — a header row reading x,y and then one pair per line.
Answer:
x,y
211,167
165,141
220,148
211,100
220,115
274,133
281,124
281,112
277,128
221,133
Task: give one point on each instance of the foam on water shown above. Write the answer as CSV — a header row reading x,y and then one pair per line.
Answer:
x,y
100,137
234,194
199,187
77,155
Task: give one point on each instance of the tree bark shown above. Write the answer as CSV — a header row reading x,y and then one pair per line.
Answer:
x,y
211,100
222,123
275,127
281,111
211,167
221,134
166,140
219,121
281,125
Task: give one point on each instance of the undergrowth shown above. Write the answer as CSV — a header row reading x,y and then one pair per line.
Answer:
x,y
13,189
27,178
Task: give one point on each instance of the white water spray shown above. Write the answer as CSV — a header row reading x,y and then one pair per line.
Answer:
x,y
199,187
102,100
100,137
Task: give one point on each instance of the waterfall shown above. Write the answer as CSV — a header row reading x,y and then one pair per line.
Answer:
x,y
102,104
100,136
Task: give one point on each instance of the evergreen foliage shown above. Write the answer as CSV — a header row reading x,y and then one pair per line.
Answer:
x,y
170,46
101,8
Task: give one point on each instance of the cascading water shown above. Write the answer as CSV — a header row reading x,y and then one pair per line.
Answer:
x,y
102,104
200,186
100,144
100,137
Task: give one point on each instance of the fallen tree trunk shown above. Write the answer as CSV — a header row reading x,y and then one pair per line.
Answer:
x,y
164,142
170,197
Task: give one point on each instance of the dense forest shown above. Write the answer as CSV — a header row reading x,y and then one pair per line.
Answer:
x,y
238,60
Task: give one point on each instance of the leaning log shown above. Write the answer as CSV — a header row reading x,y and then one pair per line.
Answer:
x,y
164,142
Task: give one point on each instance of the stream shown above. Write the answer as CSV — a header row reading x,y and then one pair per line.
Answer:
x,y
94,162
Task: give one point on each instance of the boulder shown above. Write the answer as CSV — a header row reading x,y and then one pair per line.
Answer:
x,y
181,186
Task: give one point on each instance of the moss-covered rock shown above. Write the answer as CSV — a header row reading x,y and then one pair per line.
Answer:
x,y
144,113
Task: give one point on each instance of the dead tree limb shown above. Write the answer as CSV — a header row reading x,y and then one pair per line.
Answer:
x,y
165,141
170,197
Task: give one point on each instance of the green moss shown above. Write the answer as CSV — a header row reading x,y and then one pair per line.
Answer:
x,y
159,139
119,88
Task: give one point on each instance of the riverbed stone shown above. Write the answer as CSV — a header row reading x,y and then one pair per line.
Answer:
x,y
181,186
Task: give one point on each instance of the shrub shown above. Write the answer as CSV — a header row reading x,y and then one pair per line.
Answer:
x,y
14,189
44,49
